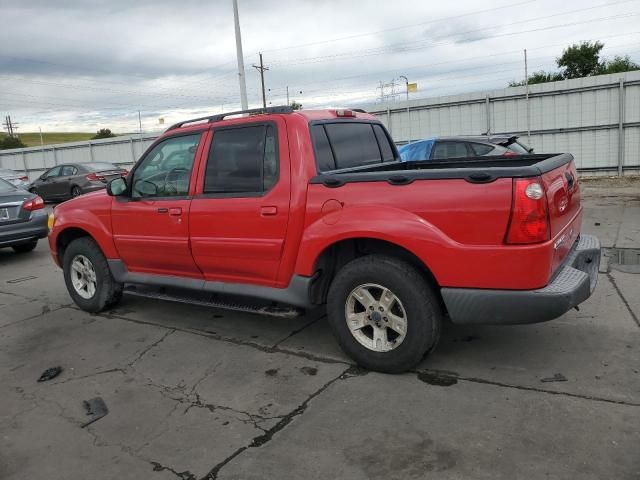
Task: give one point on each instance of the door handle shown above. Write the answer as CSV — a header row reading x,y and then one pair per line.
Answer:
x,y
175,211
268,211
163,210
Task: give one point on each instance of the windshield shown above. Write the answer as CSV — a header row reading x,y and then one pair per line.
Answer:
x,y
6,187
100,167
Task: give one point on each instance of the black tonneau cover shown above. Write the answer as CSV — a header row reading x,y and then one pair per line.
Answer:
x,y
474,170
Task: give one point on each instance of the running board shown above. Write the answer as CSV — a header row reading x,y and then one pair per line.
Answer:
x,y
212,300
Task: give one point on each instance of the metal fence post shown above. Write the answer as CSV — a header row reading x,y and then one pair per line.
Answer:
x,y
133,153
488,113
91,150
24,163
55,157
621,127
389,121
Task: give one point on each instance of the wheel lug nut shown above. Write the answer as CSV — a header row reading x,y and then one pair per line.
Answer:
x,y
381,309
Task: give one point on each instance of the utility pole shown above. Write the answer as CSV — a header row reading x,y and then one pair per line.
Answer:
x,y
139,123
261,68
10,126
526,83
241,78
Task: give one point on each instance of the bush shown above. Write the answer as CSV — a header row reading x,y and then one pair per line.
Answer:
x,y
103,133
11,142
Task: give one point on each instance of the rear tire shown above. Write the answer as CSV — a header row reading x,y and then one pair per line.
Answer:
x,y
25,247
75,191
88,278
414,308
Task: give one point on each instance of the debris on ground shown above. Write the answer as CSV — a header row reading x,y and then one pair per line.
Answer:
x,y
50,374
558,377
96,408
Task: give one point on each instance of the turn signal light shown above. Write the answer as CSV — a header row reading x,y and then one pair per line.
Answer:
x,y
34,204
529,222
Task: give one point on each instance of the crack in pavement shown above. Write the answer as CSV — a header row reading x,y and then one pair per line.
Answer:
x,y
151,346
452,376
268,435
624,300
186,475
298,330
45,310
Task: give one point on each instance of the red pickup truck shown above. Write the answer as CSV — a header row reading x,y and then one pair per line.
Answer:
x,y
305,208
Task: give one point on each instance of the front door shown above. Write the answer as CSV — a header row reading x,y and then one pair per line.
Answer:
x,y
240,212
47,184
151,224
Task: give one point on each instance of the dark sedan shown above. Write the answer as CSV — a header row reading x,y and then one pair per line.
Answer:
x,y
70,180
23,220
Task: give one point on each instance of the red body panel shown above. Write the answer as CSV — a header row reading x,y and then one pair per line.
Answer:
x,y
455,227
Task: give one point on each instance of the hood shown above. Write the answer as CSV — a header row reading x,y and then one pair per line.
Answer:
x,y
91,200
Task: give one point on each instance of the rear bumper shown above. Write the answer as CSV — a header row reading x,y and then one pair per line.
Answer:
x,y
572,284
34,229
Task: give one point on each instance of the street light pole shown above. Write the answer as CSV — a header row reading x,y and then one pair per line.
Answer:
x,y
241,78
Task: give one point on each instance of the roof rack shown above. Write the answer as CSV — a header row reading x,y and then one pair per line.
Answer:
x,y
221,116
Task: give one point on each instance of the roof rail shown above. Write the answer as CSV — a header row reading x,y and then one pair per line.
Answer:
x,y
359,110
221,116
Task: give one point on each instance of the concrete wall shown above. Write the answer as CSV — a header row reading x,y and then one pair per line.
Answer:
x,y
581,116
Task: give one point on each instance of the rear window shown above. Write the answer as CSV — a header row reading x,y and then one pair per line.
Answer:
x,y
481,148
518,148
445,150
99,166
346,145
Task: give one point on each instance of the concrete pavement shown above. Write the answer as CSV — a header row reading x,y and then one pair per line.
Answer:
x,y
204,393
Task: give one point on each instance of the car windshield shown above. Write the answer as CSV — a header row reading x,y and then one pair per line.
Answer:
x,y
99,166
6,187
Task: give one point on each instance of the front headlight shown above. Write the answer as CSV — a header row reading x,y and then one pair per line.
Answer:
x,y
51,221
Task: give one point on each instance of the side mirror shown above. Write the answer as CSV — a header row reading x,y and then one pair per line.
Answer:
x,y
117,187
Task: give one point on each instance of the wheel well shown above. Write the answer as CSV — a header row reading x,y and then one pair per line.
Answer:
x,y
66,237
336,256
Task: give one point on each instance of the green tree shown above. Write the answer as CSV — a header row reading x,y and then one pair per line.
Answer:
x,y
539,77
11,142
103,133
620,64
581,60
295,105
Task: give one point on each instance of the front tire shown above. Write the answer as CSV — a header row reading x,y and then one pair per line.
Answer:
x,y
88,278
383,313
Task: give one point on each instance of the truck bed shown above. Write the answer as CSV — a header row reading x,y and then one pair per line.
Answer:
x,y
474,170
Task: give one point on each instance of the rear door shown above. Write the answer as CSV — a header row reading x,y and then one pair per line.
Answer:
x,y
151,225
240,213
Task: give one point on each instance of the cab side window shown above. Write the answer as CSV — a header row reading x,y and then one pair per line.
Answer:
x,y
166,170
242,160
68,170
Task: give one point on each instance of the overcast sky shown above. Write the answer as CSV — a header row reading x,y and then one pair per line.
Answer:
x,y
72,65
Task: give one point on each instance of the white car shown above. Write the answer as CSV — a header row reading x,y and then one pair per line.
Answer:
x,y
17,179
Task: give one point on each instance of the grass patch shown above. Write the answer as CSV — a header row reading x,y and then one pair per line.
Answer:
x,y
32,139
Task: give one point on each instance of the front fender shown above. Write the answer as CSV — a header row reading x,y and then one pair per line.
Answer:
x,y
96,221
393,225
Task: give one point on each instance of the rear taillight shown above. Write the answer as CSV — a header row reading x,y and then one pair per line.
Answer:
x,y
124,172
24,178
509,153
529,222
94,177
35,203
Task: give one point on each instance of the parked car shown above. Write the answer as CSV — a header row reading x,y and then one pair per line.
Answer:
x,y
17,179
444,148
72,179
307,208
23,220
